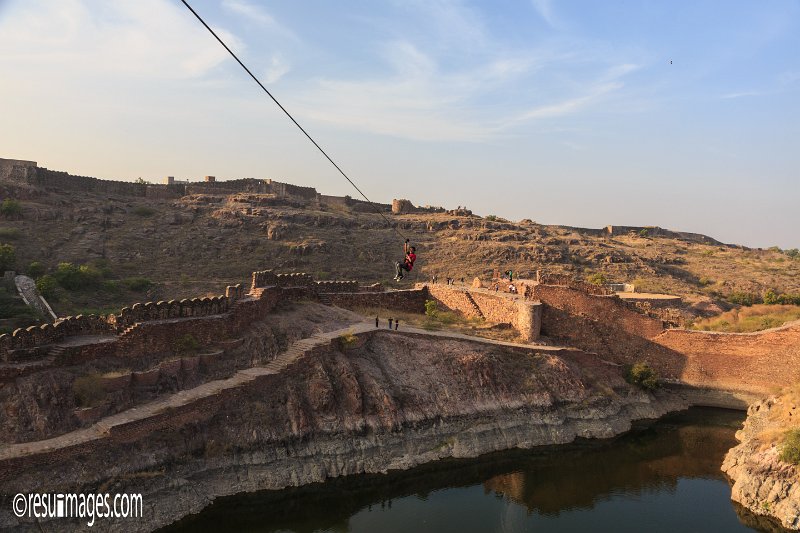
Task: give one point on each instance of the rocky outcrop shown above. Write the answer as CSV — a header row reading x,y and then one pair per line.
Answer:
x,y
763,483
386,401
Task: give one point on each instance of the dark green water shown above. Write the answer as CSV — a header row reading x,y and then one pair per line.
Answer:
x,y
660,477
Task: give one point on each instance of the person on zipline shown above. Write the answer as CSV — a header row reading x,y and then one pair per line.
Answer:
x,y
408,262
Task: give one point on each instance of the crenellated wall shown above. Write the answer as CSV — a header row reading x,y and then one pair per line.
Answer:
x,y
326,287
22,344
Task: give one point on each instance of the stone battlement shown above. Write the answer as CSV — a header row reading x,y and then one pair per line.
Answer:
x,y
35,342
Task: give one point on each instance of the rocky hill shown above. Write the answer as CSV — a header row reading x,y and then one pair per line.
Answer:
x,y
192,238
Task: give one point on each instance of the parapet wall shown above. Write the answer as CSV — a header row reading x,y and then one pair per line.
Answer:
x,y
608,309
34,336
410,301
62,180
524,316
548,278
757,362
327,287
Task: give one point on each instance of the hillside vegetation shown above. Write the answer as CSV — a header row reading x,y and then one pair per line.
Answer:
x,y
134,249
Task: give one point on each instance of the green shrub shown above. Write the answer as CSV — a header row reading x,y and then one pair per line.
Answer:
x,y
36,270
143,211
110,286
770,297
74,278
705,281
9,234
598,278
430,308
46,285
8,256
187,344
643,232
347,340
491,218
790,449
792,253
137,284
773,298
88,391
103,266
11,208
743,298
643,375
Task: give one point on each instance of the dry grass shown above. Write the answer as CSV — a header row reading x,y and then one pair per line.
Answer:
x,y
748,319
784,416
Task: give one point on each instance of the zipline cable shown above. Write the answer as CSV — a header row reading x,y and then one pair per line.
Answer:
x,y
203,22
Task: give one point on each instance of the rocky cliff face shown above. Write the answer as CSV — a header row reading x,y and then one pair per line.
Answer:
x,y
388,401
763,483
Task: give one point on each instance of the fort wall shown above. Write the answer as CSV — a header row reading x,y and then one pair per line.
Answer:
x,y
524,316
410,301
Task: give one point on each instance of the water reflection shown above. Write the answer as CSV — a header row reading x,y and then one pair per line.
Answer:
x,y
661,477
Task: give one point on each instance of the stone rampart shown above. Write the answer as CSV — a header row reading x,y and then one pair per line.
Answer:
x,y
608,309
287,189
16,169
524,316
34,336
411,301
263,278
457,300
195,307
335,286
299,279
759,362
549,278
62,180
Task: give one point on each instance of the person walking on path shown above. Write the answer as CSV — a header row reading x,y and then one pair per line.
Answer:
x,y
376,322
390,323
396,323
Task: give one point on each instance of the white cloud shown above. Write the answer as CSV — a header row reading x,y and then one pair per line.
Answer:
x,y
249,11
138,38
277,68
545,10
740,94
419,101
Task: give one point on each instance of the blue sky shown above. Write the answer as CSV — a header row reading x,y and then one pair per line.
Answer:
x,y
679,114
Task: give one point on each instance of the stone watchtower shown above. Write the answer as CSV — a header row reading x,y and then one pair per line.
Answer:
x,y
402,206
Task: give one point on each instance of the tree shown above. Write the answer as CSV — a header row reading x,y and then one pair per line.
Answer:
x,y
8,257
11,208
35,270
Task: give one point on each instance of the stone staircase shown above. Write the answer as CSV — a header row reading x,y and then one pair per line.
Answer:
x,y
130,328
56,351
474,304
325,299
257,292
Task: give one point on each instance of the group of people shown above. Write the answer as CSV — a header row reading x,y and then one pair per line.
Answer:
x,y
396,322
449,281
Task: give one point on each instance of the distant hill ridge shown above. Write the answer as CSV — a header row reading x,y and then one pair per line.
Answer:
x,y
30,173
